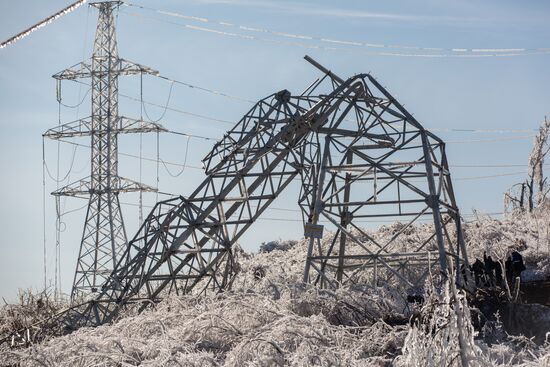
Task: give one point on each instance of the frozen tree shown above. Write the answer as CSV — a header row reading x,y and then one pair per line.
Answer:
x,y
534,191
538,184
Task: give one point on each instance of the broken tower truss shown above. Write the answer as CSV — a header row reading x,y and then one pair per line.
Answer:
x,y
359,155
373,162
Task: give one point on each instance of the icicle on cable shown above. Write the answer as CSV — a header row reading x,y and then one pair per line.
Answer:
x,y
43,23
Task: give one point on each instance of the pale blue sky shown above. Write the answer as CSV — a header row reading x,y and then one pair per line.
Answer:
x,y
493,93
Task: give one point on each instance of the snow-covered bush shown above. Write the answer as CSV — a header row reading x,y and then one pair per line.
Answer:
x,y
269,317
528,233
31,311
233,329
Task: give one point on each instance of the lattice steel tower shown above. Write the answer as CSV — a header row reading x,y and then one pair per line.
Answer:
x,y
104,236
359,155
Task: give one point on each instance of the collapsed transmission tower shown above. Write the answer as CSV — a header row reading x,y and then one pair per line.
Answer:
x,y
336,135
104,237
373,160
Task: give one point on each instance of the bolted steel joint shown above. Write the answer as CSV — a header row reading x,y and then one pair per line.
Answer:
x,y
283,96
432,201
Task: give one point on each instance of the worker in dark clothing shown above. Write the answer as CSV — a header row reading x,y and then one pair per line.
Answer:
x,y
508,269
517,264
489,269
478,270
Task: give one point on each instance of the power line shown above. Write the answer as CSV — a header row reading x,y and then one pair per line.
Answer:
x,y
489,140
212,91
174,81
299,211
388,50
491,165
204,117
485,131
133,155
489,176
232,123
209,138
469,215
144,110
166,107
191,135
79,103
41,24
429,129
183,165
201,168
490,131
58,180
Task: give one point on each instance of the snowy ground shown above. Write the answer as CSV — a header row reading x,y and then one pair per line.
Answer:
x,y
274,320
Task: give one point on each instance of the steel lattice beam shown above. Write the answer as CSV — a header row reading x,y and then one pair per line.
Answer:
x,y
356,150
374,160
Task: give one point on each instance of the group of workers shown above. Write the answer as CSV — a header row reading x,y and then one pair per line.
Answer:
x,y
489,273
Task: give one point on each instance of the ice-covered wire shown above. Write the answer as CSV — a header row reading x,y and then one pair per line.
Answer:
x,y
381,49
228,122
47,169
467,141
165,106
79,103
184,161
204,117
41,24
73,210
212,91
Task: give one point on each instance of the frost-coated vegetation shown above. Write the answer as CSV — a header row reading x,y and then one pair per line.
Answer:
x,y
269,318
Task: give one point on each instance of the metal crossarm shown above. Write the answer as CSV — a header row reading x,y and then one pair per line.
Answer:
x,y
85,127
84,188
117,67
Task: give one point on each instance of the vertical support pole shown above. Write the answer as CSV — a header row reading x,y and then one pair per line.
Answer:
x,y
399,197
433,202
344,220
318,204
375,184
461,245
375,269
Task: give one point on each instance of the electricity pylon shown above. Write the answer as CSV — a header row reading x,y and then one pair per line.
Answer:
x,y
104,236
360,155
373,160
